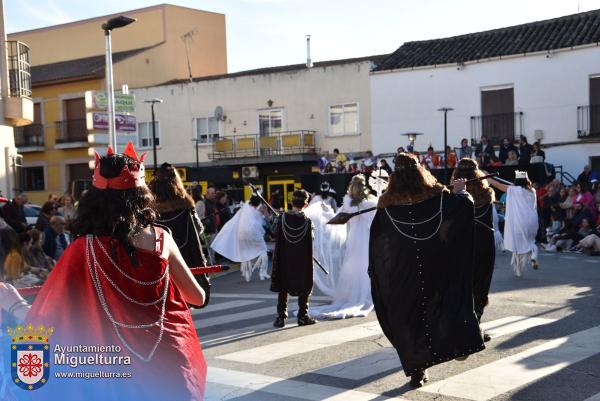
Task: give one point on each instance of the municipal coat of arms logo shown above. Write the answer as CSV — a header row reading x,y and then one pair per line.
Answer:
x,y
30,356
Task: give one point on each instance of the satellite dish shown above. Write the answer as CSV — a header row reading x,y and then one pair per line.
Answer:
x,y
218,112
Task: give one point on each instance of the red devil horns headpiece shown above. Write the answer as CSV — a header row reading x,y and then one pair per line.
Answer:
x,y
128,179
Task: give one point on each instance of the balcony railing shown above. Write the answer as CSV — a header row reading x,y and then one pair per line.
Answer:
x,y
588,121
19,71
69,131
255,145
31,135
497,127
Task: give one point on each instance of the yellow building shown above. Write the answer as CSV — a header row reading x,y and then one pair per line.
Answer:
x,y
165,43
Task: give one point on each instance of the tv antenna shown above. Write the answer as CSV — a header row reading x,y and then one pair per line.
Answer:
x,y
187,38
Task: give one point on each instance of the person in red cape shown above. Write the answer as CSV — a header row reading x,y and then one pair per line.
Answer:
x,y
122,283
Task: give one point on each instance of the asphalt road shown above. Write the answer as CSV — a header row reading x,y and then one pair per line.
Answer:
x,y
545,347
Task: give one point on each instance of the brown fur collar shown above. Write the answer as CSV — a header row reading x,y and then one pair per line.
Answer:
x,y
388,199
174,205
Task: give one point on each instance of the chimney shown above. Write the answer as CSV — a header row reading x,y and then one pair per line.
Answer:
x,y
309,62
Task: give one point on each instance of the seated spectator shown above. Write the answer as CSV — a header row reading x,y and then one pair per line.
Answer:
x,y
369,162
585,229
451,157
67,208
525,150
513,158
537,154
495,162
465,150
584,196
590,244
568,203
14,266
322,163
431,160
339,167
339,157
506,147
564,239
14,213
34,254
352,167
329,169
400,150
485,150
383,165
55,238
587,175
554,227
43,221
581,212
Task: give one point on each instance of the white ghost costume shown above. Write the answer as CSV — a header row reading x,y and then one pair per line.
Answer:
x,y
521,226
242,240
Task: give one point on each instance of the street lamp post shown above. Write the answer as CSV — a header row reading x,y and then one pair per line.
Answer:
x,y
446,110
412,136
113,23
152,103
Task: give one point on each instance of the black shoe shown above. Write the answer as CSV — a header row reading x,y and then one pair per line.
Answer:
x,y
279,322
306,321
486,337
535,264
462,358
418,379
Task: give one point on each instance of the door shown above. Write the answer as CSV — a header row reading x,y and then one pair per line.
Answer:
x,y
280,193
595,105
498,114
74,129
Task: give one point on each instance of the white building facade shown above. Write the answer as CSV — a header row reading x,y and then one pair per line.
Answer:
x,y
549,94
331,100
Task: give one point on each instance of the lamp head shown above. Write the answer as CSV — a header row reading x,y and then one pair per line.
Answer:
x,y
155,100
117,22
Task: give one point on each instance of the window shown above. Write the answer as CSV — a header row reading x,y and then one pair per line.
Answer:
x,y
270,121
498,119
207,129
145,134
343,119
33,178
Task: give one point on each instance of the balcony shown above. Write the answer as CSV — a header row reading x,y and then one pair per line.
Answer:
x,y
285,143
588,121
497,127
72,133
18,106
30,138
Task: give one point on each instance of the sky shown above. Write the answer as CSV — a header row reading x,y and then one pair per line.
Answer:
x,y
263,33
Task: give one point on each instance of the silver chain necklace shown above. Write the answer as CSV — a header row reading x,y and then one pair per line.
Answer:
x,y
484,212
393,221
93,269
294,238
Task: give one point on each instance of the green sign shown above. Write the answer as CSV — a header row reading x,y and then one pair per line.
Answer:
x,y
123,103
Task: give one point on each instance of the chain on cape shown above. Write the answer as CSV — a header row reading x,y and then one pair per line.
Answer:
x,y
478,217
294,235
93,269
439,213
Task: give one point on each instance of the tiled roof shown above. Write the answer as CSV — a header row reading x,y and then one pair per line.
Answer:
x,y
75,70
558,33
284,68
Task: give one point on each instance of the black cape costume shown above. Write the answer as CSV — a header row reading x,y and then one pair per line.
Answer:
x,y
292,260
485,256
186,228
422,287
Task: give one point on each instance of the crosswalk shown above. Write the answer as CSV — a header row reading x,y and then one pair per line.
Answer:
x,y
241,372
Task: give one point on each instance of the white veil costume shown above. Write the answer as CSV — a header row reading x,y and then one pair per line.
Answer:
x,y
521,226
497,234
329,244
352,295
242,240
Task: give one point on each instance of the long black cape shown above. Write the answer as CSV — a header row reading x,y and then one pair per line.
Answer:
x,y
485,256
292,262
423,289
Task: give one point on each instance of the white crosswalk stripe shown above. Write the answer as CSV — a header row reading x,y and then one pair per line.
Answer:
x,y
289,388
265,296
234,317
499,377
312,342
387,359
593,398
